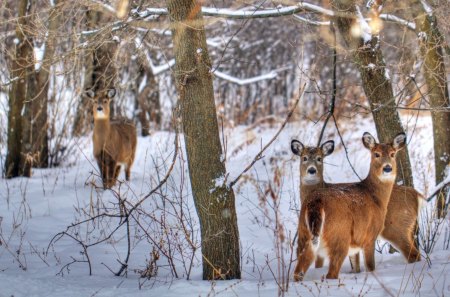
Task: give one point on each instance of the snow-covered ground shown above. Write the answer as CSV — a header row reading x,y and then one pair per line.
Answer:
x,y
33,211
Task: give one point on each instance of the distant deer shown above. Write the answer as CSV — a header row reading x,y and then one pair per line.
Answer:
x,y
114,141
341,220
403,208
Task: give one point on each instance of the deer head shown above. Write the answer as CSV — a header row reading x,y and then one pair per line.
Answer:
x,y
382,163
311,160
101,103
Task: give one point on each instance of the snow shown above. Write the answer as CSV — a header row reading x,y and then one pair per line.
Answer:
x,y
39,56
34,210
365,30
427,7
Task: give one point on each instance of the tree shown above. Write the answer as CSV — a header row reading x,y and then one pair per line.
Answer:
x,y
214,201
369,60
16,164
100,70
35,125
431,48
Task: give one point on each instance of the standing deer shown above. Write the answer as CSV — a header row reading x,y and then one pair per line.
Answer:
x,y
341,220
114,141
403,208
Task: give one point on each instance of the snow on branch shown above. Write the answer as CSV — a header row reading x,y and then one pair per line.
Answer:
x,y
240,81
246,81
248,14
244,14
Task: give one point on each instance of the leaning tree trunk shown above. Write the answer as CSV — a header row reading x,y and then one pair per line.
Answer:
x,y
15,162
215,203
368,57
431,48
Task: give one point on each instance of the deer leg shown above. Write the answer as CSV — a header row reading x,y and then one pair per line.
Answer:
x,y
116,172
336,260
305,255
369,256
407,247
127,171
354,263
319,262
112,172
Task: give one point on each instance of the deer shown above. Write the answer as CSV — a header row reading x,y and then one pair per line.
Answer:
x,y
114,141
402,211
340,220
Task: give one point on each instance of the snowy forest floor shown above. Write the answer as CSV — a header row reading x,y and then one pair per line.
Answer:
x,y
33,211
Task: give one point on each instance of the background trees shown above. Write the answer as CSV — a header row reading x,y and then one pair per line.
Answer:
x,y
249,65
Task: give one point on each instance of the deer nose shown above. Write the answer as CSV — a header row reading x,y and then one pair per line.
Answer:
x,y
99,108
312,170
387,168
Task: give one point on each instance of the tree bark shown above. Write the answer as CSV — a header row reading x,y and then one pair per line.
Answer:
x,y
148,100
16,162
431,48
215,203
100,70
35,124
368,57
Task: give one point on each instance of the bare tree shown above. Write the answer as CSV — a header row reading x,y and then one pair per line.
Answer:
x,y
368,57
16,163
214,201
432,52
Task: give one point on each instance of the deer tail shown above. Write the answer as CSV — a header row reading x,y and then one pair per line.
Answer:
x,y
314,220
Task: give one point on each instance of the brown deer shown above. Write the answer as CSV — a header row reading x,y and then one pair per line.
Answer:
x,y
114,141
403,208
345,218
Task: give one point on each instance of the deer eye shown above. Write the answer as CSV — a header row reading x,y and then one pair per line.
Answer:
x,y
377,155
305,159
105,101
392,155
319,159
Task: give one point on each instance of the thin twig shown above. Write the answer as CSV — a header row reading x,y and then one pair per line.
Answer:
x,y
333,96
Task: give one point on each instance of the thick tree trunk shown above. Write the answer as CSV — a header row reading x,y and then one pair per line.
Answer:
x,y
15,163
215,203
35,124
431,48
376,83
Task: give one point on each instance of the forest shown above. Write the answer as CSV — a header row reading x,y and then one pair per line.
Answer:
x,y
217,147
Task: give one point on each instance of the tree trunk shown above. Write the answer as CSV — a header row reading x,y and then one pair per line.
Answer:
x,y
215,203
376,83
15,163
431,49
100,70
35,125
148,100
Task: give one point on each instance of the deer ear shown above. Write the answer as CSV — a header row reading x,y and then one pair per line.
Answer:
x,y
90,94
399,141
327,147
297,147
111,93
368,140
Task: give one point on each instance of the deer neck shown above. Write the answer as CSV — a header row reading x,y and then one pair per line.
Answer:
x,y
102,128
380,189
305,189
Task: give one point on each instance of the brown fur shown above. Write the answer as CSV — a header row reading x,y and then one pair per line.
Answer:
x,y
114,142
401,217
351,215
400,223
